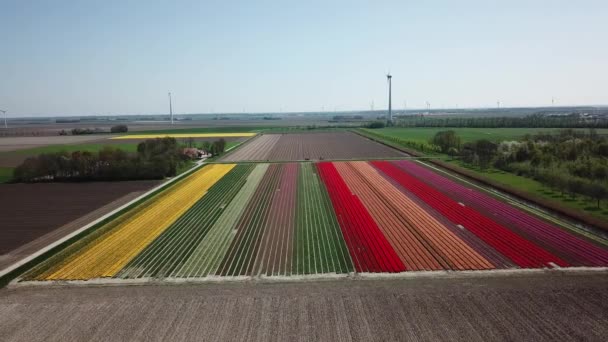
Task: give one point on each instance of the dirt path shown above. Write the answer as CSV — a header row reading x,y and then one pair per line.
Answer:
x,y
540,307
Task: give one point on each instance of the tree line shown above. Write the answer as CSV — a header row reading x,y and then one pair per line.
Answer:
x,y
569,161
539,120
155,159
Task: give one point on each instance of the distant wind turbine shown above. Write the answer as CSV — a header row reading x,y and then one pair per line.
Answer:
x,y
170,108
389,78
4,112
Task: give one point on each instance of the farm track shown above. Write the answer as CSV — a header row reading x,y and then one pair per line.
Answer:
x,y
524,253
171,249
369,249
574,249
320,245
105,257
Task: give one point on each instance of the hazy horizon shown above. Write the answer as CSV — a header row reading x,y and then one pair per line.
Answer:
x,y
114,58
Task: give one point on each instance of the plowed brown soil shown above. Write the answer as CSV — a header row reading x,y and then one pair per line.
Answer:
x,y
28,211
311,146
545,307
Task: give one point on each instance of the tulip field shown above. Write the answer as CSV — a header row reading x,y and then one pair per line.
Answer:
x,y
318,219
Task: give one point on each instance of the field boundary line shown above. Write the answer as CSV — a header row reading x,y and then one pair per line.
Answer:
x,y
32,257
353,276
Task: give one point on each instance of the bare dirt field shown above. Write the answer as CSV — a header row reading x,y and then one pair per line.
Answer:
x,y
29,211
311,146
46,239
534,307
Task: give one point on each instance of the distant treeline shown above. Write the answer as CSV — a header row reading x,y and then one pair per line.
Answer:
x,y
569,161
346,118
83,131
155,159
531,121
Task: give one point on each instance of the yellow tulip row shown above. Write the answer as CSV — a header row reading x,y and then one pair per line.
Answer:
x,y
106,256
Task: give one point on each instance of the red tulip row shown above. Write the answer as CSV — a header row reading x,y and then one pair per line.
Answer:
x,y
522,252
368,247
569,247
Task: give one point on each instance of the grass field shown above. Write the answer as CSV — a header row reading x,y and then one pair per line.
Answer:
x,y
424,134
530,185
201,130
129,147
6,173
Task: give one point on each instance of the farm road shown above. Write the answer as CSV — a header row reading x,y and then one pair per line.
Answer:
x,y
531,307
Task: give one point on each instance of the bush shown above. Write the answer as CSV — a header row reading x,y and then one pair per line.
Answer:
x,y
376,124
446,140
119,129
82,131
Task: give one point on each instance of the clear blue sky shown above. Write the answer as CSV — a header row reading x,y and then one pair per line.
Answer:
x,y
121,57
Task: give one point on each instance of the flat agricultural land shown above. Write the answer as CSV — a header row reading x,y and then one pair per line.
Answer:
x,y
6,174
31,211
13,158
183,135
310,146
250,221
533,307
424,134
20,143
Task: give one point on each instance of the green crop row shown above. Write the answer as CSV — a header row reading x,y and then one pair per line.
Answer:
x,y
320,247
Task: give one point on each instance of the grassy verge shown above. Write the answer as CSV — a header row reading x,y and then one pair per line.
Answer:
x,y
6,174
128,147
424,134
184,167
